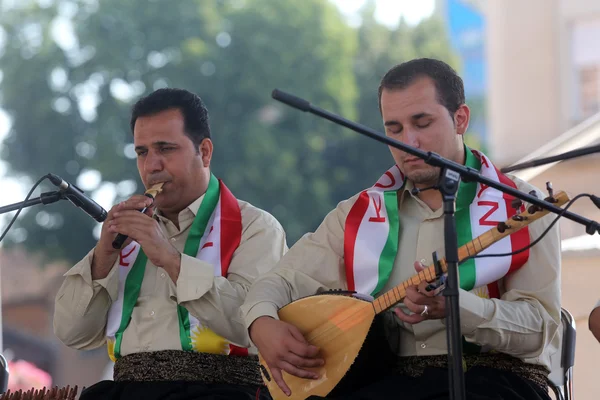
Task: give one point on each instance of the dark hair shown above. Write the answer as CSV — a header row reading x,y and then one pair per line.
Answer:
x,y
195,114
448,85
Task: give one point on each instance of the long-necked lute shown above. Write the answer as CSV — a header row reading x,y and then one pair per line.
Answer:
x,y
338,325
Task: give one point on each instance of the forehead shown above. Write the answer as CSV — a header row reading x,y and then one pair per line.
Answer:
x,y
418,97
166,125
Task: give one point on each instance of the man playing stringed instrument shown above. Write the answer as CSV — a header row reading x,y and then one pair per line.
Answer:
x,y
167,304
509,306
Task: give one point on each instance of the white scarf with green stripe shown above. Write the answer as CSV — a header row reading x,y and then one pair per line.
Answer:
x,y
214,236
372,228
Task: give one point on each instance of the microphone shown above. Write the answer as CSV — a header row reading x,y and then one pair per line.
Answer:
x,y
78,198
415,191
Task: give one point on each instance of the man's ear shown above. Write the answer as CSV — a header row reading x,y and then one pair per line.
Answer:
x,y
205,149
461,119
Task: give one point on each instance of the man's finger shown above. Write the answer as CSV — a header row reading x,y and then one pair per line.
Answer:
x,y
278,378
413,295
412,306
134,222
299,372
295,332
419,266
303,362
409,319
423,289
136,202
132,214
130,230
300,346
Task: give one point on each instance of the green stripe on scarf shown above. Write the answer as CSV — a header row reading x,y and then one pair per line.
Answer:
x,y
209,202
466,194
388,255
133,285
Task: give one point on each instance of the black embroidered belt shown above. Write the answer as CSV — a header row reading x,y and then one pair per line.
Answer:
x,y
177,365
414,366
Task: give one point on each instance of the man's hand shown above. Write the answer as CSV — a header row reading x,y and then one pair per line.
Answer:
x,y
104,254
424,303
283,347
145,230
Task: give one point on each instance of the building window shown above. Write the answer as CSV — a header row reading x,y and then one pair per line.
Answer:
x,y
586,63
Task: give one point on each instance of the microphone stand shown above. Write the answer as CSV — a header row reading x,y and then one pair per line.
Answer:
x,y
450,176
45,198
559,157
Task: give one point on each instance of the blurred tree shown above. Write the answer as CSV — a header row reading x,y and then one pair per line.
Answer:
x,y
72,70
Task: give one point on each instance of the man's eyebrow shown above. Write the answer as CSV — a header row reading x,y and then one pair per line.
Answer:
x,y
420,115
163,143
156,144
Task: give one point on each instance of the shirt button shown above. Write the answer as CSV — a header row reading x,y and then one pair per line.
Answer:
x,y
152,313
163,275
423,345
173,239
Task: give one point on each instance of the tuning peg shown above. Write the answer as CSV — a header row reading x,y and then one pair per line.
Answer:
x,y
516,203
502,227
550,197
533,209
549,189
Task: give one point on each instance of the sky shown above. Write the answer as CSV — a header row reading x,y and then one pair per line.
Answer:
x,y
388,12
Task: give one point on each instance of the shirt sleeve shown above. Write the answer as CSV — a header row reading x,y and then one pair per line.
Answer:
x,y
81,305
314,264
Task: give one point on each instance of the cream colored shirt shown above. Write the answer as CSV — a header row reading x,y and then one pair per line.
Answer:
x,y
523,322
82,304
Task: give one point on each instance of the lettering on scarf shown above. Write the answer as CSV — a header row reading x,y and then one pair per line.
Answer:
x,y
123,256
483,189
209,244
484,220
392,180
377,206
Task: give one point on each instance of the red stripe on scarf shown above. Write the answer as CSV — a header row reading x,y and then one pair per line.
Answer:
x,y
231,227
231,236
353,221
519,239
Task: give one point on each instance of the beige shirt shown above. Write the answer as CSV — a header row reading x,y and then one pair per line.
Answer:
x,y
82,304
523,322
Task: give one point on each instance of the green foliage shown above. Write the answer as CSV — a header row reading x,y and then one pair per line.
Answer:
x,y
70,105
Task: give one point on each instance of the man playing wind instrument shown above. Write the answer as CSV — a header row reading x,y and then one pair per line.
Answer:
x,y
509,306
167,303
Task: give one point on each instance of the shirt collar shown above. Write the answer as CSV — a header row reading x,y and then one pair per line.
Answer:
x,y
188,213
